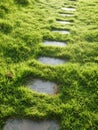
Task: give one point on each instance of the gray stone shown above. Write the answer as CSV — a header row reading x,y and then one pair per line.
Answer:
x,y
68,9
64,22
61,31
14,124
54,43
50,61
41,86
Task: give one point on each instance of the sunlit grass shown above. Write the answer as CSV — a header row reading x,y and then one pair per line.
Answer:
x,y
24,25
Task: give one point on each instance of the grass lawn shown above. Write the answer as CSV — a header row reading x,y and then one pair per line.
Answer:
x,y
24,25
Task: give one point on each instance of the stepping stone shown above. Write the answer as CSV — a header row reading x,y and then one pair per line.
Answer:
x,y
68,9
66,15
41,86
15,124
64,22
51,61
54,43
61,31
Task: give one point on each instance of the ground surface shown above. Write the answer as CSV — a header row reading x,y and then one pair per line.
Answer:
x,y
24,25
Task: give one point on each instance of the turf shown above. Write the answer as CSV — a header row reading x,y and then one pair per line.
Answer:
x,y
24,25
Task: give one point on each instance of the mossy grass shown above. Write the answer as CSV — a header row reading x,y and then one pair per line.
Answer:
x,y
23,2
24,25
5,26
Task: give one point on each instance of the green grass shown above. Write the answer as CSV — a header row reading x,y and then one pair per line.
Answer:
x,y
24,25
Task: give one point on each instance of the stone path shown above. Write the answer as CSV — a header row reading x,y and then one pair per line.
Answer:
x,y
54,43
64,22
61,31
43,86
15,124
68,9
51,61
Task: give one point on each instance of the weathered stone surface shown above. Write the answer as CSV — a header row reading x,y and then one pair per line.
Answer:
x,y
61,31
50,61
68,9
14,124
42,86
64,22
54,43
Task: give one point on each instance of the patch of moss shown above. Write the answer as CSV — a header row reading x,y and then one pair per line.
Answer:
x,y
5,26
22,33
22,2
